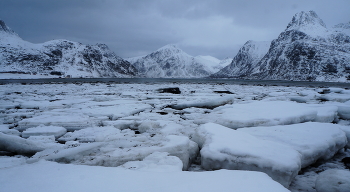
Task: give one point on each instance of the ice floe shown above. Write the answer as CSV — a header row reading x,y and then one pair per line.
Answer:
x,y
225,148
62,177
314,141
43,130
267,113
133,129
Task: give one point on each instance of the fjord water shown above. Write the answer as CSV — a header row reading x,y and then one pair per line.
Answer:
x,y
181,81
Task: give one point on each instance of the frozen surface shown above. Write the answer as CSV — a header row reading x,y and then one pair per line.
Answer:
x,y
19,145
333,180
156,162
224,148
268,113
314,141
112,147
43,130
132,126
6,162
68,121
60,177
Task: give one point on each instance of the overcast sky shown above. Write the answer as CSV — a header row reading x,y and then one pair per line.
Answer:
x,y
137,27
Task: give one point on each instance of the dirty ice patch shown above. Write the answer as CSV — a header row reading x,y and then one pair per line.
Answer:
x,y
116,111
118,148
69,121
156,162
6,130
92,134
43,130
333,180
225,148
50,176
209,104
313,140
23,146
267,113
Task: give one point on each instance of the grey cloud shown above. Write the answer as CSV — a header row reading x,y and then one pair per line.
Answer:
x,y
136,27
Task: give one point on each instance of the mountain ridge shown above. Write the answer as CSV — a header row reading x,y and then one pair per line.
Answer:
x,y
61,57
170,61
305,51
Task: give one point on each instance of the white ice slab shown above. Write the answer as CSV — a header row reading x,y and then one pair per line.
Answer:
x,y
225,148
268,113
50,176
156,162
43,130
19,145
92,134
69,121
313,140
210,104
116,111
5,129
117,147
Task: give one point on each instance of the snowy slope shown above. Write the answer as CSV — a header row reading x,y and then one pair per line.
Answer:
x,y
305,51
172,62
211,63
343,27
245,61
59,57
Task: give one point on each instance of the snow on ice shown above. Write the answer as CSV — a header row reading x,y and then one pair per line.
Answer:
x,y
224,148
270,137
58,177
314,141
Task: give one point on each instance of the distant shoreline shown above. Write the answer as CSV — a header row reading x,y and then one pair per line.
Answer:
x,y
179,81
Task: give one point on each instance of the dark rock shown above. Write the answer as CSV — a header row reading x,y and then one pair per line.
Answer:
x,y
162,113
173,90
346,162
56,73
227,92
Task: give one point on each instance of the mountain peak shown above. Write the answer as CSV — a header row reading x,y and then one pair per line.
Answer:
x,y
343,25
306,22
170,47
5,29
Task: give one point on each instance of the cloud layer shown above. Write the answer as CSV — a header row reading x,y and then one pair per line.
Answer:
x,y
137,27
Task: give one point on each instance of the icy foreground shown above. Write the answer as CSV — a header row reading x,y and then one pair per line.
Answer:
x,y
58,177
270,138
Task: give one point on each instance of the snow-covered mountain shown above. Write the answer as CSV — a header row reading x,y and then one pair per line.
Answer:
x,y
305,50
245,61
343,27
59,57
211,63
172,62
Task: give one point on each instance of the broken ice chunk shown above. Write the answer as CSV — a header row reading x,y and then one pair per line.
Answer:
x,y
43,130
156,162
313,140
69,121
268,113
225,148
19,145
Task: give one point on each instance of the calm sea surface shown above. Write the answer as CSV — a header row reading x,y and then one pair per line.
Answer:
x,y
179,81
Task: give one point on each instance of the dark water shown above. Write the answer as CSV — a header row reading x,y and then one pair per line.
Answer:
x,y
179,81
